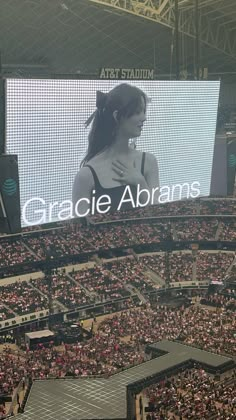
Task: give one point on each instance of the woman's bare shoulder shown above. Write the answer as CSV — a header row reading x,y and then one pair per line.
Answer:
x,y
151,158
85,175
85,171
148,156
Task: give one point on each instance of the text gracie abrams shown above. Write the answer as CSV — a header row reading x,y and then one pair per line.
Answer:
x,y
37,211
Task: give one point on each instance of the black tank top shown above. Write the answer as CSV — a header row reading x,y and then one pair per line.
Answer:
x,y
116,193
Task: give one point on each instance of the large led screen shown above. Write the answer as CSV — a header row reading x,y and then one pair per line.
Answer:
x,y
169,158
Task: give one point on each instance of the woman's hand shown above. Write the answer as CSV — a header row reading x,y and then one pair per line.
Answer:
x,y
127,174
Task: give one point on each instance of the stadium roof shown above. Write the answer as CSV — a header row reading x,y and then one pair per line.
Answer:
x,y
81,36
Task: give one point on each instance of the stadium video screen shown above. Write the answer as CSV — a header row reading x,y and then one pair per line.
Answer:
x,y
169,158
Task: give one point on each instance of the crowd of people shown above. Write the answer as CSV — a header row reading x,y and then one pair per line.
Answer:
x,y
20,298
220,300
5,313
227,231
192,394
171,267
196,230
101,283
72,240
119,342
213,266
178,266
67,240
131,272
218,206
62,289
14,252
181,267
214,332
112,279
12,370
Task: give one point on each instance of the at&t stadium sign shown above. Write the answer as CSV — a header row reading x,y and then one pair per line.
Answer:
x,y
127,74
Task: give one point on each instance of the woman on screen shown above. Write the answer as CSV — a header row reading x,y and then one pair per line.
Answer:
x,y
113,167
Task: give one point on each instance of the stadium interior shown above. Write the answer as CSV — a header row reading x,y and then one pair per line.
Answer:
x,y
129,314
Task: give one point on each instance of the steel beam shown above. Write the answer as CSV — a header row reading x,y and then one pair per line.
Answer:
x,y
217,36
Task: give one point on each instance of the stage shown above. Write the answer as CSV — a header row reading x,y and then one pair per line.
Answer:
x,y
98,398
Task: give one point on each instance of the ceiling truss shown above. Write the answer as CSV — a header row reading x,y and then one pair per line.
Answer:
x,y
215,32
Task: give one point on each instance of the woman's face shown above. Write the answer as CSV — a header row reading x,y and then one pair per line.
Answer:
x,y
131,127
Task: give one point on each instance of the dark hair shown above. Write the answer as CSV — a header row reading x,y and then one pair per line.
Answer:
x,y
125,99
